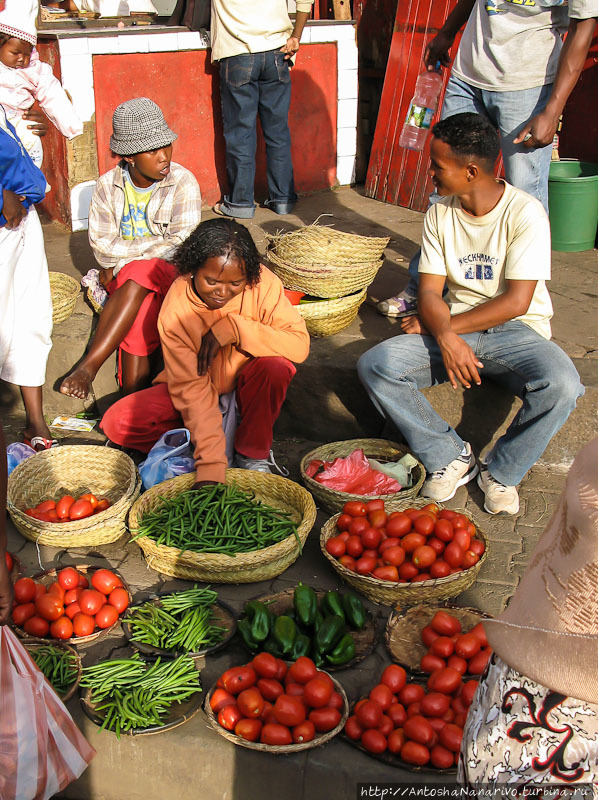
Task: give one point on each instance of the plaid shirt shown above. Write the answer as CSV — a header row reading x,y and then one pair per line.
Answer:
x,y
173,212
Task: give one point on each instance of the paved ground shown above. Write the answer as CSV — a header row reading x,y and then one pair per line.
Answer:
x,y
325,403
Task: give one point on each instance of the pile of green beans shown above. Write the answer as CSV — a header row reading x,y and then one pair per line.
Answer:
x,y
216,519
131,694
59,666
180,622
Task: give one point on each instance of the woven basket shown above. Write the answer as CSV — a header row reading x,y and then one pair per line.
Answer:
x,y
75,470
93,302
34,644
320,244
65,291
403,631
328,279
381,450
257,565
284,749
331,316
409,594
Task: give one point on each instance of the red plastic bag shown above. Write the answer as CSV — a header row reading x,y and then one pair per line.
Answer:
x,y
41,748
353,474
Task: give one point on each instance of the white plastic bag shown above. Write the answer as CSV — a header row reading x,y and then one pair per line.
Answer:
x,y
41,748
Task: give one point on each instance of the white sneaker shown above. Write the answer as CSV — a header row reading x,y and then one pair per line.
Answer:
x,y
498,498
443,484
258,464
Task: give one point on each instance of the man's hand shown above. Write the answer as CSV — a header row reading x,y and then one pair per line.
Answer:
x,y
207,353
38,120
13,208
5,592
106,276
413,324
437,49
539,131
460,361
290,48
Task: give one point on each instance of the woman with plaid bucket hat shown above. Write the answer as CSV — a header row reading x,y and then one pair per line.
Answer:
x,y
141,211
534,717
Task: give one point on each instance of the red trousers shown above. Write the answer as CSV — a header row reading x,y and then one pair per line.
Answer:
x,y
138,420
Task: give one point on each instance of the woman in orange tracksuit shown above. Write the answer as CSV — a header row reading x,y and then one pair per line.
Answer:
x,y
225,324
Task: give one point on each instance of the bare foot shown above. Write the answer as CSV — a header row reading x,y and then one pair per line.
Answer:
x,y
77,384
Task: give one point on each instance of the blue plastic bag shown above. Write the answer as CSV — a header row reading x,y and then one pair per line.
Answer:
x,y
17,452
169,457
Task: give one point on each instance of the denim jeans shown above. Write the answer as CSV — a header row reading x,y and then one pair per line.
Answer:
x,y
526,168
253,84
513,355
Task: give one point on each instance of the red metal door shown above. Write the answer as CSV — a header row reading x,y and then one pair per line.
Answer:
x,y
397,175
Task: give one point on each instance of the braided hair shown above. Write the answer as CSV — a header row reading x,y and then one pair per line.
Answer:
x,y
219,237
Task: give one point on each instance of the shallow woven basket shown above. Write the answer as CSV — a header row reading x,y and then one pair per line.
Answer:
x,y
93,302
403,631
331,316
320,244
257,565
380,449
284,749
34,644
65,291
327,279
74,470
409,594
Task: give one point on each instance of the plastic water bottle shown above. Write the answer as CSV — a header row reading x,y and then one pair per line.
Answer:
x,y
422,108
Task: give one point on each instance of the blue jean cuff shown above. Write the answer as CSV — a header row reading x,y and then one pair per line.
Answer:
x,y
236,210
281,206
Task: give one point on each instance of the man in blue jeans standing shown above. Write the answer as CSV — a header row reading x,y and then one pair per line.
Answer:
x,y
254,44
511,67
490,243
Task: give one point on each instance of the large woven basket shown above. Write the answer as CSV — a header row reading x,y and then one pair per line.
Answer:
x,y
381,450
327,279
74,470
257,565
409,594
331,316
65,291
320,244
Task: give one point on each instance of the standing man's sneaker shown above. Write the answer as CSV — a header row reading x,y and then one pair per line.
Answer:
x,y
442,484
498,498
401,305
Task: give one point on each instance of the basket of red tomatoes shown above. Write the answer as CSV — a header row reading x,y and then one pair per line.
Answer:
x,y
73,604
99,485
417,552
277,707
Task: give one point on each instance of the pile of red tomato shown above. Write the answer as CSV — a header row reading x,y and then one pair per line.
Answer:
x,y
449,647
266,701
404,546
69,607
67,508
420,725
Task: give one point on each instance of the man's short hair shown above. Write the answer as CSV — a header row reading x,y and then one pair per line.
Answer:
x,y
470,136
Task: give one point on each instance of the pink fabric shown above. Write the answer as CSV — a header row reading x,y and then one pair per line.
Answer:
x,y
19,88
138,420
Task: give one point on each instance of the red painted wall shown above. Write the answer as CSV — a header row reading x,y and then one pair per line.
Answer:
x,y
185,86
57,204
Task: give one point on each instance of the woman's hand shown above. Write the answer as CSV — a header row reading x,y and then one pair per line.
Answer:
x,y
106,276
207,352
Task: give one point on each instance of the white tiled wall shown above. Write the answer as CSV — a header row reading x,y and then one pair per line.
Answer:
x,y
77,78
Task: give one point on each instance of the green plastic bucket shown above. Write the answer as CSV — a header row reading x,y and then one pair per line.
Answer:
x,y
573,203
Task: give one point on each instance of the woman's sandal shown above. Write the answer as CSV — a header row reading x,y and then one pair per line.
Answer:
x,y
46,444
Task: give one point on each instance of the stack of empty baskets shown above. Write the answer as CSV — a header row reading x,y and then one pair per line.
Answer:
x,y
333,267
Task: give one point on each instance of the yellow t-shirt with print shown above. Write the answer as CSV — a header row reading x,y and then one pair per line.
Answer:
x,y
133,224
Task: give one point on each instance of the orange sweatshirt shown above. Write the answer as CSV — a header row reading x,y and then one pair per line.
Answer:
x,y
258,322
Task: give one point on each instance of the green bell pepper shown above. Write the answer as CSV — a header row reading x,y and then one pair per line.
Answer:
x,y
260,620
329,633
332,604
343,652
244,631
301,646
306,604
355,612
284,632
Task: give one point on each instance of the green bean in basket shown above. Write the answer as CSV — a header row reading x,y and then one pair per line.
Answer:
x,y
216,519
58,665
130,694
182,621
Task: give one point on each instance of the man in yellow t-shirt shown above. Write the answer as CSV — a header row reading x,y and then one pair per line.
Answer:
x,y
490,242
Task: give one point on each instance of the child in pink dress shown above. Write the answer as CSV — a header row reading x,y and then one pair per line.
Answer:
x,y
25,79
